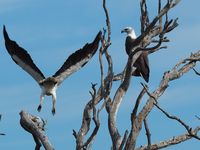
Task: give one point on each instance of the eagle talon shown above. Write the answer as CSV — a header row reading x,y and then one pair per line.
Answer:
x,y
53,111
39,108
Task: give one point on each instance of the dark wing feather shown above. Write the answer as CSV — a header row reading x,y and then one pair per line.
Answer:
x,y
142,66
130,43
21,57
78,59
142,63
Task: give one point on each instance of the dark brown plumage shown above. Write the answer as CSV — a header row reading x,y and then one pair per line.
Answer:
x,y
142,63
16,51
142,66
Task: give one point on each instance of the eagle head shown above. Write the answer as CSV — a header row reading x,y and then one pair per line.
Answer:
x,y
130,32
127,30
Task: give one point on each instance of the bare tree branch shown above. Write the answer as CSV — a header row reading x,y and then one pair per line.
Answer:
x,y
196,72
159,9
107,22
106,44
85,127
197,117
173,141
189,129
171,75
144,19
156,28
135,109
35,126
124,140
148,134
146,34
95,119
116,137
103,91
144,40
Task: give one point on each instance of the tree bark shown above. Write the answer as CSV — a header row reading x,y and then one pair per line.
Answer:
x,y
35,126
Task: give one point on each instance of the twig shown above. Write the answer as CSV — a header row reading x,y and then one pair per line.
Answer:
x,y
148,93
107,21
101,64
159,9
197,117
173,141
189,129
107,84
139,98
144,15
74,134
95,119
148,134
86,121
196,72
155,50
149,28
124,140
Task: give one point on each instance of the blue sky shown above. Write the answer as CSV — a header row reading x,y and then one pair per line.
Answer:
x,y
51,31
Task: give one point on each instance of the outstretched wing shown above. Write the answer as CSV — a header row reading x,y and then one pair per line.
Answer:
x,y
21,57
78,59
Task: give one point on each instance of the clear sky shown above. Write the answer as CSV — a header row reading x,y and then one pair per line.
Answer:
x,y
51,30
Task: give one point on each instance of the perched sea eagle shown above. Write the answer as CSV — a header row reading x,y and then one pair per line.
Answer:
x,y
142,63
49,85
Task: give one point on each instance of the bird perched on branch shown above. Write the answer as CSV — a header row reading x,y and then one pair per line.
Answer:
x,y
49,85
142,63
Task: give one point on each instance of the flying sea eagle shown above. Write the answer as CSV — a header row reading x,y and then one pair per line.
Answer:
x,y
49,85
142,63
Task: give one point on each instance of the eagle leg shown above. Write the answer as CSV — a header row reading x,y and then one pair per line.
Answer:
x,y
39,108
54,103
41,100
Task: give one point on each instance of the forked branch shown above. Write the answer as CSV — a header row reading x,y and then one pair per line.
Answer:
x,y
86,121
178,71
172,141
187,127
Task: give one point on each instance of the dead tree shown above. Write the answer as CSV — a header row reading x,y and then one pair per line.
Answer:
x,y
153,35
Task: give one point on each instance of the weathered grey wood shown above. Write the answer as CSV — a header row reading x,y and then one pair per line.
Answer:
x,y
35,126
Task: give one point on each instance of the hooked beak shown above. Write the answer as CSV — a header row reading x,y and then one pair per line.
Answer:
x,y
122,31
